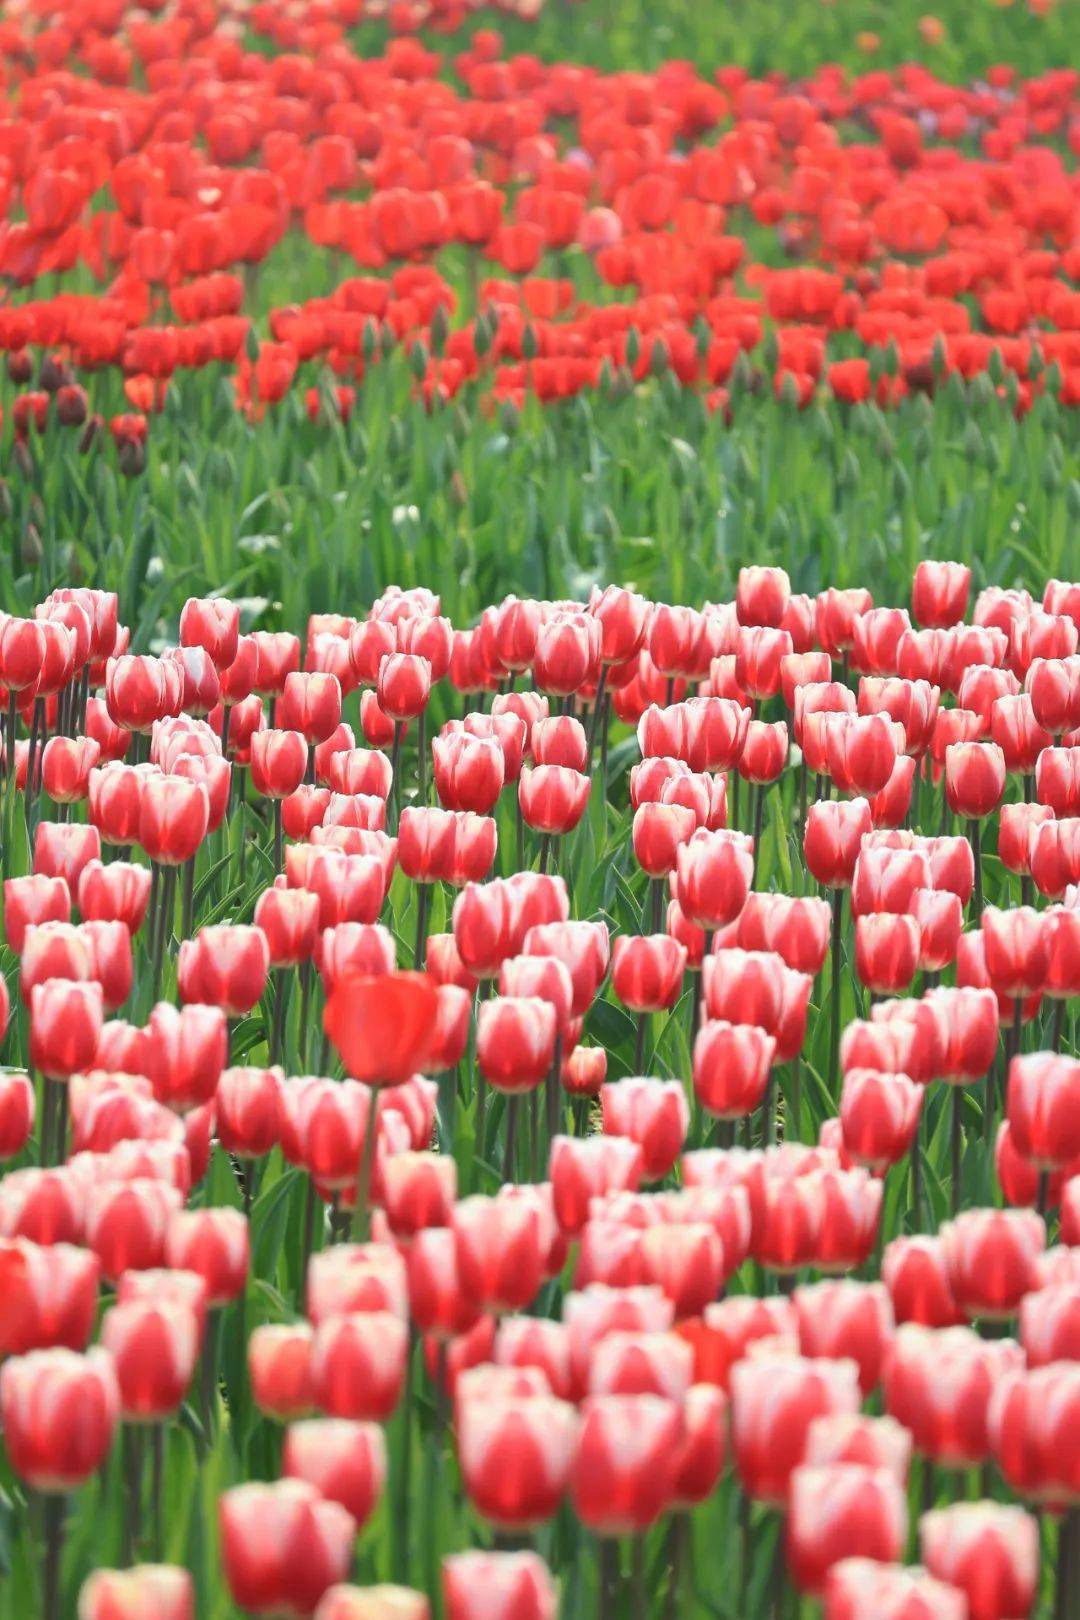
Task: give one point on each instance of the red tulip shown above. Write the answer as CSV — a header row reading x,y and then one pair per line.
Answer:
x,y
836,1511
989,1551
59,1412
516,1453
834,833
939,592
647,971
879,1116
939,1385
382,1025
358,1363
731,1064
628,1450
846,1319
345,1461
154,1349
497,1586
214,1244
498,1252
974,779
154,1591
279,1367
283,1546
50,1293
224,966
862,1589
65,1027
774,1400
553,798
404,685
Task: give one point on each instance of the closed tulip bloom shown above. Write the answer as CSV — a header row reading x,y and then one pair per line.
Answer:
x,y
344,1460
114,794
358,1365
862,1589
835,613
731,1065
940,919
59,1412
499,1254
887,879
774,1400
65,1027
66,763
57,951
224,966
628,1451
560,740
939,1383
553,798
764,751
418,1190
289,919
567,653
436,1302
1054,857
515,1041
63,849
469,772
974,778
283,1546
497,1586
279,1367
1016,731
1057,780
110,949
886,952
31,900
623,618
714,872
278,762
838,1510
1042,1105
654,1114
516,1454
870,1442
879,1116
647,971
140,689
187,1053
16,1105
686,1260
1053,684
119,892
834,833
939,592
356,1277
1017,824
127,1223
485,924
47,1206
846,1319
543,976
1017,949
51,1296
213,1243
658,832
154,1349
248,1111
989,1551
432,637
213,624
152,1591
583,1169
762,595
992,1257
404,685
1032,1424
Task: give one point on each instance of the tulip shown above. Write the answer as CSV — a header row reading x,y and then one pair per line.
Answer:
x,y
939,592
278,762
404,686
647,971
862,1589
154,1349
652,1113
879,1116
17,1105
279,1367
516,1454
214,1244
553,798
731,1064
358,1365
498,1252
834,833
624,1472
59,1412
497,1586
846,1319
939,1383
119,892
224,966
870,1442
153,1591
989,1551
356,1277
345,1462
836,1511
774,1400
283,1546
469,772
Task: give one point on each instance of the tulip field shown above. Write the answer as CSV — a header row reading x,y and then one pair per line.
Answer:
x,y
539,810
